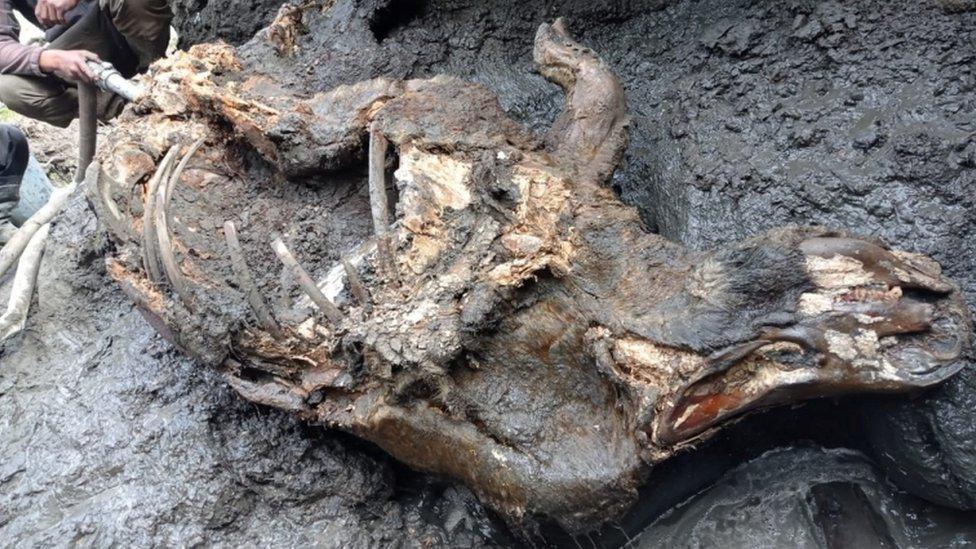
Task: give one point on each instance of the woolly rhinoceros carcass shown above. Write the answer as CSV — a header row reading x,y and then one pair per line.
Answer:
x,y
402,261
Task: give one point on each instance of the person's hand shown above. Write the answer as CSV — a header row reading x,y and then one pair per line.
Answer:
x,y
69,64
52,12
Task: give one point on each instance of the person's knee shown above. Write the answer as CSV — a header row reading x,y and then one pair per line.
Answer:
x,y
14,151
15,93
144,24
139,12
48,103
15,137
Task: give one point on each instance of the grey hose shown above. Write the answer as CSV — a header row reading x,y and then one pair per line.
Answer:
x,y
106,78
87,128
111,80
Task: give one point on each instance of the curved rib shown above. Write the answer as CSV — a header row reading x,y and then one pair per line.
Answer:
x,y
166,254
243,273
150,249
305,281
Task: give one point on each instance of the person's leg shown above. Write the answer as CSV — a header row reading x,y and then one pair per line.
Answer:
x,y
130,34
96,32
42,98
14,155
144,24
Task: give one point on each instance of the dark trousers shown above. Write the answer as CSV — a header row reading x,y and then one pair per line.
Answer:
x,y
130,34
14,155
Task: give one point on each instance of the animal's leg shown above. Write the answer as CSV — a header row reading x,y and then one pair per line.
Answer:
x,y
591,132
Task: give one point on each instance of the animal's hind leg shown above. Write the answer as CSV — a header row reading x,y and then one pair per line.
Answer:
x,y
591,132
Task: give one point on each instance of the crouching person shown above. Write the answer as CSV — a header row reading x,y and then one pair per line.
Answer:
x,y
14,155
41,83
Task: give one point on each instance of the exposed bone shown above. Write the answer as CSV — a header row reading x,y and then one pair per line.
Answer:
x,y
15,317
268,393
181,167
166,252
150,246
356,286
378,202
307,284
100,196
244,279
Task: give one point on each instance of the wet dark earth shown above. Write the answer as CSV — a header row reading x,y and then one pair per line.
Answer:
x,y
747,116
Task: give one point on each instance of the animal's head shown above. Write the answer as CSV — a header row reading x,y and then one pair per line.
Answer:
x,y
838,315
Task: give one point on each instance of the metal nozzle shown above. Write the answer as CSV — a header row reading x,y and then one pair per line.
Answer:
x,y
109,79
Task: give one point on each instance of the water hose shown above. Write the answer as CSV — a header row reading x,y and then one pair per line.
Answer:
x,y
87,128
26,247
111,80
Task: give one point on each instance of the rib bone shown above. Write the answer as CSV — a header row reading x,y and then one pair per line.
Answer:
x,y
307,284
379,205
166,252
150,248
243,273
356,286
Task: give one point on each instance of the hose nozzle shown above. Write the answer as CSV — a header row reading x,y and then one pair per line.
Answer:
x,y
108,78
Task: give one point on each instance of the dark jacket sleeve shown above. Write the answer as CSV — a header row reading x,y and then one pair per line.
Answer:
x,y
16,58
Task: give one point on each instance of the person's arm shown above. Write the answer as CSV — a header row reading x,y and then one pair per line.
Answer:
x,y
16,58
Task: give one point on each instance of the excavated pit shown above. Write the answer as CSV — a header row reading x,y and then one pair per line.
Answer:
x,y
537,106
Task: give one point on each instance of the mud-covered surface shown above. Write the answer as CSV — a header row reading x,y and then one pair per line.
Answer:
x,y
807,497
746,116
234,21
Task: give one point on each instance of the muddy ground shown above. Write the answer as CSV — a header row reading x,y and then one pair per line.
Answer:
x,y
747,115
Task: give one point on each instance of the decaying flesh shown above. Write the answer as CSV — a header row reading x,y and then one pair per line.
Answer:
x,y
506,321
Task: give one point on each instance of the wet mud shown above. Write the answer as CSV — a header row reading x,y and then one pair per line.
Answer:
x,y
234,21
807,497
746,116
